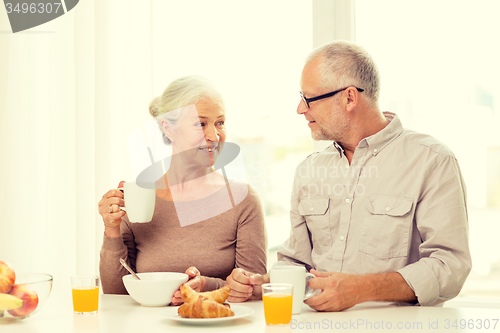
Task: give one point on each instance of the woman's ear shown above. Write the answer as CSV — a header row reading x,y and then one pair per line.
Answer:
x,y
167,129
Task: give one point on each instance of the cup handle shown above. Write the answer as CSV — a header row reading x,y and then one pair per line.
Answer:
x,y
309,291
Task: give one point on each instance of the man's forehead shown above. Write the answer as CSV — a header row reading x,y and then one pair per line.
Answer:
x,y
309,80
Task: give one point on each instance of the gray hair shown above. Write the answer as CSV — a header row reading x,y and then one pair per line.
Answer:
x,y
185,91
344,64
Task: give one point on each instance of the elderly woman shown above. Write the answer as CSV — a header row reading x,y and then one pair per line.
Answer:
x,y
203,223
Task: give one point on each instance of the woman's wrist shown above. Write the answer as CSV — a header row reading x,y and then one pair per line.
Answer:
x,y
112,232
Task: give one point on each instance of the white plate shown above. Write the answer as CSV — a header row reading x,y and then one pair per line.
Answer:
x,y
240,311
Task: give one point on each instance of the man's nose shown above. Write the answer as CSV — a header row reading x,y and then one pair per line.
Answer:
x,y
301,108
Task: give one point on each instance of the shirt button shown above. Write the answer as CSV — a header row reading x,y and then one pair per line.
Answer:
x,y
375,150
347,200
342,238
387,209
311,209
347,166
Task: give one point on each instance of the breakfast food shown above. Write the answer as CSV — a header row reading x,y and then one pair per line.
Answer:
x,y
204,305
29,300
7,277
219,295
9,302
205,309
18,300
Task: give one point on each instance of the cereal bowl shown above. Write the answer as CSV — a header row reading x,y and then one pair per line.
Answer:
x,y
154,289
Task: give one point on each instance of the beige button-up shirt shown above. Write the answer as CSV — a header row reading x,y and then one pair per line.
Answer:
x,y
399,206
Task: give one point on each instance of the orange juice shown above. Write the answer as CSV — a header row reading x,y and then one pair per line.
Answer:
x,y
277,308
85,299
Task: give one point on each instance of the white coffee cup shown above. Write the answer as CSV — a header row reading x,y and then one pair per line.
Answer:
x,y
298,277
139,202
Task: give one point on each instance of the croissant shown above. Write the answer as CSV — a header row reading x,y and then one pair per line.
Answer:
x,y
206,304
204,309
219,295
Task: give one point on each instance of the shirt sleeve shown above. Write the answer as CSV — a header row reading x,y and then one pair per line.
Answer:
x,y
251,238
441,219
110,269
297,248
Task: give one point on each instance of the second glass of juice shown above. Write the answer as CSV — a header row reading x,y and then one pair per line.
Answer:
x,y
85,290
277,298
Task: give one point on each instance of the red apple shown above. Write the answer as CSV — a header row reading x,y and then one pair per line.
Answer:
x,y
7,277
29,297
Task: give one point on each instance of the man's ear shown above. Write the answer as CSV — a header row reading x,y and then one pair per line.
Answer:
x,y
351,98
167,128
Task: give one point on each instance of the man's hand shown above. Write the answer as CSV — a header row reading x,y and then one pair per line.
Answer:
x,y
342,291
245,285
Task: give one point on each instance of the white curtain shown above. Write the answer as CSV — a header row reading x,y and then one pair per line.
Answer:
x,y
70,91
73,89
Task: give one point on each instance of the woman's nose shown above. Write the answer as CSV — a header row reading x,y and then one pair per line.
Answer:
x,y
211,134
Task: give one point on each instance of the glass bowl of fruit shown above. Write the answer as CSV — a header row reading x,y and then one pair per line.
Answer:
x,y
22,295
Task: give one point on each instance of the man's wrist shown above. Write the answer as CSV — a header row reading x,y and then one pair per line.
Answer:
x,y
384,287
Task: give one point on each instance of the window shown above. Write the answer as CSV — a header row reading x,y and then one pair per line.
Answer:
x,y
254,53
439,69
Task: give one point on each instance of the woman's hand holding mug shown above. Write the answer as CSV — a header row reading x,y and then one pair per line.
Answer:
x,y
109,208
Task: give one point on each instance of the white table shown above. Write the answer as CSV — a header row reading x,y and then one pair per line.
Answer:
x,y
121,314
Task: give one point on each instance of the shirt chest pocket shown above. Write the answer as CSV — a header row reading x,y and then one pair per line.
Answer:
x,y
386,232
315,212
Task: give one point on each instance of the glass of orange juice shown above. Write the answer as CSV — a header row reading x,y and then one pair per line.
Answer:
x,y
277,298
85,290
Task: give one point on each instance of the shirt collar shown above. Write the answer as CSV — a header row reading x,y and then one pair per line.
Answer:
x,y
381,139
338,147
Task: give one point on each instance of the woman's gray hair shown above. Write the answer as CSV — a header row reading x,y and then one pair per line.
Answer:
x,y
344,64
185,91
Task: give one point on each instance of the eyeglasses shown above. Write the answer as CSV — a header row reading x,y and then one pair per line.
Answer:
x,y
330,94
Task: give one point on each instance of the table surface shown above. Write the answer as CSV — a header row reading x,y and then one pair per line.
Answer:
x,y
119,313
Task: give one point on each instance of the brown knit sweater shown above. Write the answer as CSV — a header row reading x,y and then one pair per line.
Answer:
x,y
234,238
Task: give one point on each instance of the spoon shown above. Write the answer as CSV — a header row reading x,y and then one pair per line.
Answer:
x,y
127,267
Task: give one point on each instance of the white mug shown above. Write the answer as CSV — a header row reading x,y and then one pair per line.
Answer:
x,y
139,202
297,276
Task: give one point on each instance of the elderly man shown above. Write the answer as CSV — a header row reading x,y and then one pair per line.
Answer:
x,y
379,215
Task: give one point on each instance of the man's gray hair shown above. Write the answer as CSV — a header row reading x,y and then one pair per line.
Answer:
x,y
185,91
344,64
